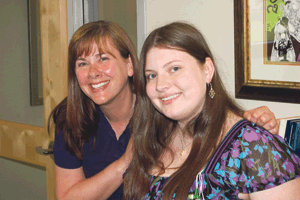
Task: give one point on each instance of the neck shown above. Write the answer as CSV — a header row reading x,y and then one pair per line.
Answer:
x,y
174,159
121,110
119,115
185,141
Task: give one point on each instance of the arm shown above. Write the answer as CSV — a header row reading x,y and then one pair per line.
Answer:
x,y
272,165
289,190
72,184
262,116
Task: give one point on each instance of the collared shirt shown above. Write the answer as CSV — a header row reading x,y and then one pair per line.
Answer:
x,y
107,150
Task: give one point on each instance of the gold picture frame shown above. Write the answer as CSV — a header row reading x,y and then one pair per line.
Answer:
x,y
247,87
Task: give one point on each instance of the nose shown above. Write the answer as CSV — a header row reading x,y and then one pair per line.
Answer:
x,y
163,83
95,71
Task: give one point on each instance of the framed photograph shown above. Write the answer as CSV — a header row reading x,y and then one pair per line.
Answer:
x,y
282,32
35,58
267,50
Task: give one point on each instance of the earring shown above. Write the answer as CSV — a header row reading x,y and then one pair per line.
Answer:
x,y
211,92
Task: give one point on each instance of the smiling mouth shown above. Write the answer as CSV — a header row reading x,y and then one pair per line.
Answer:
x,y
170,97
100,85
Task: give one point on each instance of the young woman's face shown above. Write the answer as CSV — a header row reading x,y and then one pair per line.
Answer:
x,y
104,77
176,83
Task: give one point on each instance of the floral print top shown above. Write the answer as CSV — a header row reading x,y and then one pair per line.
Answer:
x,y
249,159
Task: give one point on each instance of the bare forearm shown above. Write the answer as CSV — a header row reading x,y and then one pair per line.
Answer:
x,y
289,190
100,186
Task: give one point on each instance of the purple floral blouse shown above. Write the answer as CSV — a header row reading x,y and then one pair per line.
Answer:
x,y
249,159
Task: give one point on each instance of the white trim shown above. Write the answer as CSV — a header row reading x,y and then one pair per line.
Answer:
x,y
81,12
75,16
141,24
90,11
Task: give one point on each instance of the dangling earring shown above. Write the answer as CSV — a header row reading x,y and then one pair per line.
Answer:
x,y
211,92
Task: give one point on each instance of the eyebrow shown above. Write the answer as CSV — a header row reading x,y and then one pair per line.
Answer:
x,y
165,65
148,70
83,59
171,62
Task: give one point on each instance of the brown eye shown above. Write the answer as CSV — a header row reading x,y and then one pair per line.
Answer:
x,y
174,69
104,58
151,76
82,64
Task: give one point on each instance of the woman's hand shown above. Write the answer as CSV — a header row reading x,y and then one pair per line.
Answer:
x,y
262,116
72,183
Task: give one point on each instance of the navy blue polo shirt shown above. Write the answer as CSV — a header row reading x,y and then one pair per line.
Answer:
x,y
107,150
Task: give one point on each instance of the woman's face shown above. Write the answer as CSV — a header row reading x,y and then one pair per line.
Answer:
x,y
104,77
176,83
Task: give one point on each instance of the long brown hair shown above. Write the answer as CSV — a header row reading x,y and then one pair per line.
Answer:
x,y
152,131
77,114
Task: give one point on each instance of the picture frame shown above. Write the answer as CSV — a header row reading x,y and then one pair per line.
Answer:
x,y
255,79
281,32
35,58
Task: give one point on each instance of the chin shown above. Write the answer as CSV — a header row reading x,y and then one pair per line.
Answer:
x,y
173,116
100,101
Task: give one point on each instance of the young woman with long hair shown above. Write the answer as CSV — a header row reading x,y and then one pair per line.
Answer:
x,y
190,139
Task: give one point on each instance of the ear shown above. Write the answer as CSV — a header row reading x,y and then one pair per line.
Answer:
x,y
130,70
209,68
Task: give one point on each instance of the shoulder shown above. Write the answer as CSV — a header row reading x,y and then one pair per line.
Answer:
x,y
250,138
252,135
62,156
257,142
247,131
255,159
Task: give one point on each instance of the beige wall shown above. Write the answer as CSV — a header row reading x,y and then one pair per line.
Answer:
x,y
122,12
215,19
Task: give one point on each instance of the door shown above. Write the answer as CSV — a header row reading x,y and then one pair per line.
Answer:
x,y
18,142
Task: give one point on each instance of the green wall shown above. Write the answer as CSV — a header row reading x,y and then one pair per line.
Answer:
x,y
14,66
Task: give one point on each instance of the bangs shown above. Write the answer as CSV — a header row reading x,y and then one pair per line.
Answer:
x,y
85,46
